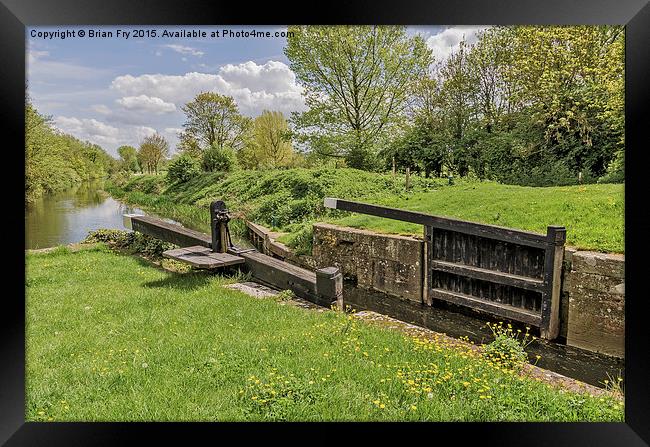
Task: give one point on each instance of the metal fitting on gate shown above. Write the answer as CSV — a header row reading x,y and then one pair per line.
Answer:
x,y
219,219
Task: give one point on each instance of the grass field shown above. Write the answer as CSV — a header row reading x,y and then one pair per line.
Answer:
x,y
291,200
111,337
592,214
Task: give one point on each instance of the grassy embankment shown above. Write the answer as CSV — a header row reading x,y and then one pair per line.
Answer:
x,y
291,200
132,342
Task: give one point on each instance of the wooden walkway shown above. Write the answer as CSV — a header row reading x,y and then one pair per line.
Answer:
x,y
203,257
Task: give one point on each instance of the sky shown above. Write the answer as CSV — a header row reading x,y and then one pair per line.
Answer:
x,y
116,90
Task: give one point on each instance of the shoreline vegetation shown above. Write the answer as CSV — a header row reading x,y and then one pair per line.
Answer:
x,y
55,161
97,352
292,200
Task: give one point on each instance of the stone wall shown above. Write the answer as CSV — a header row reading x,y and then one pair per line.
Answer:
x,y
387,263
595,286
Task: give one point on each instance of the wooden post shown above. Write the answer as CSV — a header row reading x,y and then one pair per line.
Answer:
x,y
408,178
223,237
394,167
329,286
550,327
426,244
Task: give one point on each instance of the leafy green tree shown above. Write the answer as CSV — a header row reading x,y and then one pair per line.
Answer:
x,y
128,154
458,92
421,148
55,161
182,168
187,144
572,78
218,158
214,119
269,145
357,82
153,150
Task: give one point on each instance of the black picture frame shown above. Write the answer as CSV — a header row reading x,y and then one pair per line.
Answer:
x,y
16,15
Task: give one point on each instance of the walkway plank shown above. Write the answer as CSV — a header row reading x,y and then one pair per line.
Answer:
x,y
202,257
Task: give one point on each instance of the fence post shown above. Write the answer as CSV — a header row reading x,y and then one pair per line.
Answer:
x,y
556,236
329,286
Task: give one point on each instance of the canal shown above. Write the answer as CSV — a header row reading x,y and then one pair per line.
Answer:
x,y
68,216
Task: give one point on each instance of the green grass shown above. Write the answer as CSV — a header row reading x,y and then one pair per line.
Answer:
x,y
113,338
291,200
592,214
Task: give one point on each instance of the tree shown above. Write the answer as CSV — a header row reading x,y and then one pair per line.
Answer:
x,y
128,154
357,81
217,158
572,80
213,119
490,60
188,145
152,151
183,168
269,145
55,161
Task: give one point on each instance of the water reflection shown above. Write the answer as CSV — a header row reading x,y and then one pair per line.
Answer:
x,y
68,216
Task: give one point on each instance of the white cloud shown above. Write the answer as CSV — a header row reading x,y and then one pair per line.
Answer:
x,y
254,87
101,109
87,129
446,42
272,77
105,135
148,104
185,50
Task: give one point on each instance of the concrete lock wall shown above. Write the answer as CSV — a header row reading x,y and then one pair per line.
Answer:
x,y
594,284
593,299
387,263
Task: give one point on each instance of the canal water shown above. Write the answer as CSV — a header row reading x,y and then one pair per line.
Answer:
x,y
68,216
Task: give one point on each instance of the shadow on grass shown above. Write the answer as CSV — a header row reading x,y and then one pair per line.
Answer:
x,y
182,281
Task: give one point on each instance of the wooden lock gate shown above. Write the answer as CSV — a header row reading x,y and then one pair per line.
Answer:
x,y
505,272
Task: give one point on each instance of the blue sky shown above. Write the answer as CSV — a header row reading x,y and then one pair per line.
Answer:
x,y
114,91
